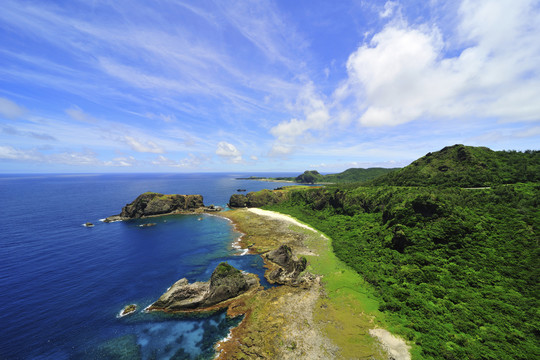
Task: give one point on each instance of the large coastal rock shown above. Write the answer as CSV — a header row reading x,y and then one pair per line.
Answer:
x,y
286,269
153,204
225,283
258,198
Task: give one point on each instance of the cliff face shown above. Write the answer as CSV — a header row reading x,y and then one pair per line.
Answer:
x,y
152,204
225,283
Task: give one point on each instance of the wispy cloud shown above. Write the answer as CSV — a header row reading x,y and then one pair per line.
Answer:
x,y
143,146
40,136
190,162
10,110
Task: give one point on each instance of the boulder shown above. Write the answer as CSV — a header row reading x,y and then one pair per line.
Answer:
x,y
286,268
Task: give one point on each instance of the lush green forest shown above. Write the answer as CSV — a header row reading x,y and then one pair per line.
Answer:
x,y
352,175
467,166
456,268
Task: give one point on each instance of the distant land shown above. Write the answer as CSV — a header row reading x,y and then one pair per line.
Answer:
x,y
352,175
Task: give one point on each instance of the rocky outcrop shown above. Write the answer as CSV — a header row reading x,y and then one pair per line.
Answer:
x,y
284,268
154,204
129,309
225,283
258,198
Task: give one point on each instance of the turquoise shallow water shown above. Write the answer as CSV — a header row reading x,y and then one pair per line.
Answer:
x,y
63,284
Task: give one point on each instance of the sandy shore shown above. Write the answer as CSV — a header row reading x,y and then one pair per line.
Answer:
x,y
281,217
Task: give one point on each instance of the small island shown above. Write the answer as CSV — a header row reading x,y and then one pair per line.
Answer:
x,y
129,309
152,204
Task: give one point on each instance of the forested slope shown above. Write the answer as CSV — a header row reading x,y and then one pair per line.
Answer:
x,y
456,268
467,166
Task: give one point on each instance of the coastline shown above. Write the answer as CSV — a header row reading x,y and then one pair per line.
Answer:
x,y
302,323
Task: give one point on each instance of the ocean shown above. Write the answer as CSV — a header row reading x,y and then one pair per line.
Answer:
x,y
64,284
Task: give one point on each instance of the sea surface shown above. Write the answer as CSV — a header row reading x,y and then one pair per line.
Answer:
x,y
63,285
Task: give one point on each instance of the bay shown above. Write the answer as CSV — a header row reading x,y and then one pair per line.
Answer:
x,y
63,284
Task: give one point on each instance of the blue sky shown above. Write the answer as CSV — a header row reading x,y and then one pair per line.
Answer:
x,y
193,86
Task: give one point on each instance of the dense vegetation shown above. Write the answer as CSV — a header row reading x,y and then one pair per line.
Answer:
x,y
456,268
352,175
467,166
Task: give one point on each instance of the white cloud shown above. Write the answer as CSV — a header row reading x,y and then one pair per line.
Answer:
x,y
254,158
229,151
143,146
389,8
121,161
403,73
10,110
316,118
8,152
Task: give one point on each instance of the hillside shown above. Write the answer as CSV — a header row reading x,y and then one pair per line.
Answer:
x,y
466,166
450,243
352,175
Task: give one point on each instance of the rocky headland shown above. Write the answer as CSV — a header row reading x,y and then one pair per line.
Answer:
x,y
155,204
226,283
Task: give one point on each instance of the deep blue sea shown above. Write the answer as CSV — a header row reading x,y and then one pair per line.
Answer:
x,y
62,285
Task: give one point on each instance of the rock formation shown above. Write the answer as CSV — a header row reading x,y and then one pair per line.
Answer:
x,y
129,309
285,269
225,283
258,198
153,204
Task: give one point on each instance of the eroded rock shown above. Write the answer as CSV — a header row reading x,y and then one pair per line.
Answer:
x,y
225,283
286,269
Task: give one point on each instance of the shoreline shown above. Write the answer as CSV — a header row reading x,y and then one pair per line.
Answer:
x,y
297,323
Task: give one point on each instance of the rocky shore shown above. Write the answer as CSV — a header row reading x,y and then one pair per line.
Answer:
x,y
152,204
315,314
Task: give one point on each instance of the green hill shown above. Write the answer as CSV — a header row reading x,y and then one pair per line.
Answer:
x,y
456,269
352,175
467,166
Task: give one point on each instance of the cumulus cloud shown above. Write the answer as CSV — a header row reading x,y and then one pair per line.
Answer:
x,y
143,146
403,73
315,118
10,110
229,151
